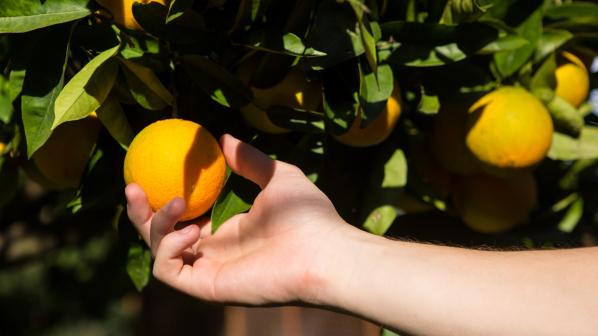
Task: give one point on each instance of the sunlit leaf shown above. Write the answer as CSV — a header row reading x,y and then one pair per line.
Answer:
x,y
113,118
26,15
380,219
236,197
565,147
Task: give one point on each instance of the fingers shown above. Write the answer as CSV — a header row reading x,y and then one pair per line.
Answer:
x,y
247,161
139,210
164,220
169,262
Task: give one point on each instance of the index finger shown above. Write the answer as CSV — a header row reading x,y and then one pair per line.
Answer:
x,y
139,211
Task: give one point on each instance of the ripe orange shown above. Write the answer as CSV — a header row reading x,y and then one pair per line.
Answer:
x,y
122,11
379,129
508,129
295,90
573,81
491,204
177,158
61,161
448,140
2,146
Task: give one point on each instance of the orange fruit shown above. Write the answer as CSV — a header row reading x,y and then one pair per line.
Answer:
x,y
491,204
448,140
122,11
508,129
573,80
379,129
295,90
61,161
2,146
176,158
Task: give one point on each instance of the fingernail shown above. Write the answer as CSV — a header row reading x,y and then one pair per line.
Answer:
x,y
186,229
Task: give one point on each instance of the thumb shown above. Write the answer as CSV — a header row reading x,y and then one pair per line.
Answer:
x,y
247,160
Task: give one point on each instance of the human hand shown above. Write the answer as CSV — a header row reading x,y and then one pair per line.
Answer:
x,y
275,253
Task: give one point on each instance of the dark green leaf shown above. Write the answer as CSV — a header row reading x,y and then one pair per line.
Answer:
x,y
26,15
224,88
152,18
290,44
86,91
456,11
505,43
177,8
236,197
139,262
42,85
113,118
543,82
565,147
508,63
145,86
374,91
341,97
573,15
296,119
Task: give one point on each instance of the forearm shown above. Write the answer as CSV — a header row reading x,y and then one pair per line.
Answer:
x,y
436,290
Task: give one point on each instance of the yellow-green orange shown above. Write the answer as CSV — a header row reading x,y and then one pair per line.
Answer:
x,y
508,129
62,160
122,11
448,140
379,129
491,204
573,81
295,90
176,158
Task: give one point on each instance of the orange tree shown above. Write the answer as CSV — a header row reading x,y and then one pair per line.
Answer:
x,y
459,121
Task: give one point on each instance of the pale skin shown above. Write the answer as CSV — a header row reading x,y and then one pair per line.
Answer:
x,y
293,247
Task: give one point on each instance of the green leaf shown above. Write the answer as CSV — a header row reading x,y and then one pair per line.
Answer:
x,y
551,40
543,82
456,11
296,119
508,63
222,86
428,103
386,332
565,147
504,43
236,197
341,102
368,41
572,15
114,119
145,86
426,45
26,15
139,260
566,118
374,90
334,22
152,17
86,91
572,216
380,219
290,44
177,8
395,171
42,84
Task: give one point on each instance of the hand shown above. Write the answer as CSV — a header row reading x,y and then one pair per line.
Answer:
x,y
275,253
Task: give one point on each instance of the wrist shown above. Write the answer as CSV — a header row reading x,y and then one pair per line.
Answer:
x,y
339,265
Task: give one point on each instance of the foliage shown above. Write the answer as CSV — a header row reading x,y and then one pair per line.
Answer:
x,y
62,60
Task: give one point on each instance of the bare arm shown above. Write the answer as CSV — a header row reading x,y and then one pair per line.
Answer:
x,y
292,246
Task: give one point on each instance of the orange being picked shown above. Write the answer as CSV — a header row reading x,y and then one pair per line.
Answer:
x,y
295,90
492,204
508,129
60,163
176,158
572,80
122,11
379,129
